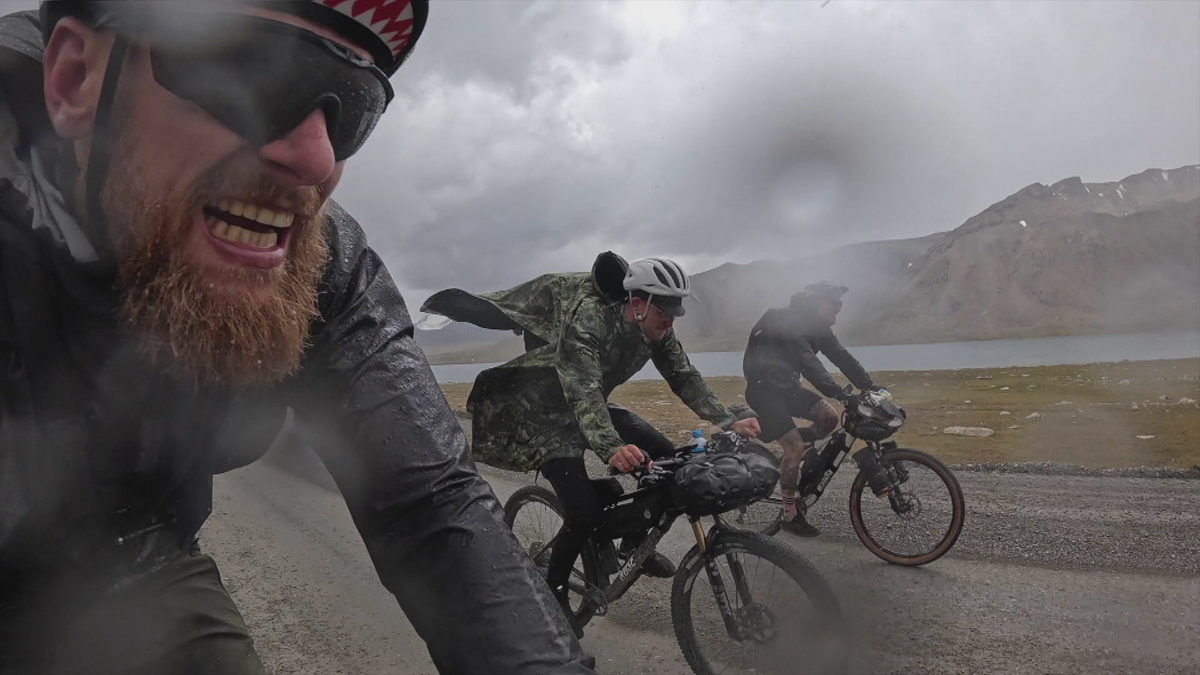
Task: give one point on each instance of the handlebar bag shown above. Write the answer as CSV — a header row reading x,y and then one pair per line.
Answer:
x,y
722,482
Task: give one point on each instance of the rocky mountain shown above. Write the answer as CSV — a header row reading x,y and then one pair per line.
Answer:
x,y
1060,259
1066,258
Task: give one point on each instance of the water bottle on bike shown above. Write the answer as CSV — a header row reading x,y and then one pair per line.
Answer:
x,y
699,442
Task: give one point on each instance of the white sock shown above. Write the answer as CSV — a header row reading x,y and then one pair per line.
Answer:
x,y
789,508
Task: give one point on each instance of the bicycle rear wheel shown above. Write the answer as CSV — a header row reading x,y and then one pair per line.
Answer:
x,y
919,520
534,515
785,619
763,515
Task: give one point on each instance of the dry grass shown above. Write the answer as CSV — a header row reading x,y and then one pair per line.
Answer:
x,y
1087,413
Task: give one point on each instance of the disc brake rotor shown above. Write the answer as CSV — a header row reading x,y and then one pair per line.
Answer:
x,y
911,509
757,622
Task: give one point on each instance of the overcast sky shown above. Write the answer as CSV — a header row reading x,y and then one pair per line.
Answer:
x,y
528,136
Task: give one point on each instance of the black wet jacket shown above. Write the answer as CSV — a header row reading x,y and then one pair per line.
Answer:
x,y
106,465
784,344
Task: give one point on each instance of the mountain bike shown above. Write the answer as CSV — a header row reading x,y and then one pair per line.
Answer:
x,y
906,506
741,601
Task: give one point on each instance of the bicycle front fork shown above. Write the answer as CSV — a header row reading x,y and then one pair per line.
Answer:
x,y
712,568
883,477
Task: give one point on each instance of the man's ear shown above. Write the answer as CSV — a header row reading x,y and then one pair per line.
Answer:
x,y
73,68
629,310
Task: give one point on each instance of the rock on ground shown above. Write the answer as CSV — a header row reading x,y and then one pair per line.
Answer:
x,y
978,432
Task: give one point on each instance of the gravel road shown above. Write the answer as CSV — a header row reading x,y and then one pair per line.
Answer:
x,y
1053,574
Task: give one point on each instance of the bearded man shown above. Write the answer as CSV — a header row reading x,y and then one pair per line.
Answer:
x,y
174,276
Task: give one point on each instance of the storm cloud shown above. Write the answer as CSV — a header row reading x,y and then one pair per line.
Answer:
x,y
528,136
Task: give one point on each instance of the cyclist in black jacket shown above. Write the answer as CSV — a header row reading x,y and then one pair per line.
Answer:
x,y
783,347
173,277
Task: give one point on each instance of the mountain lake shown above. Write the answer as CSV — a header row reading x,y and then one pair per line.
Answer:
x,y
1048,351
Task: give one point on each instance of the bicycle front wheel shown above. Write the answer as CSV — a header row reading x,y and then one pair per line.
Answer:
x,y
920,518
751,604
763,515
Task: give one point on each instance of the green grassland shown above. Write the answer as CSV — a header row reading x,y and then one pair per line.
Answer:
x,y
1089,415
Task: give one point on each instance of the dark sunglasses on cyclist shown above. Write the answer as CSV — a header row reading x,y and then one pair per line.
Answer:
x,y
672,307
262,78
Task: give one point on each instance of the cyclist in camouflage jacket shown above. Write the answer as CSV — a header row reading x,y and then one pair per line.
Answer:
x,y
585,334
552,401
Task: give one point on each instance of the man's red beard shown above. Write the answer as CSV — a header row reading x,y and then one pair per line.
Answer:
x,y
199,322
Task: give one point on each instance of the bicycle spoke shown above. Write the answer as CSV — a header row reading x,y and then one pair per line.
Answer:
x,y
535,527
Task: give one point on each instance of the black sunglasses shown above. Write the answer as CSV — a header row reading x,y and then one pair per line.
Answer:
x,y
672,310
262,78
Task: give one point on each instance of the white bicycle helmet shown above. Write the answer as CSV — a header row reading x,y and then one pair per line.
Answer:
x,y
657,276
662,281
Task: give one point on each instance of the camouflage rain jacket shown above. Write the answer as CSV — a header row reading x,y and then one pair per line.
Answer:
x,y
552,401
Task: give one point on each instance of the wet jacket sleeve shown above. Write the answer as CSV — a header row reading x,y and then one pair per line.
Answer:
x,y
581,375
369,402
675,367
803,353
833,350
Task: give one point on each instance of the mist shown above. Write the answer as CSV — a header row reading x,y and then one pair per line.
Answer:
x,y
736,132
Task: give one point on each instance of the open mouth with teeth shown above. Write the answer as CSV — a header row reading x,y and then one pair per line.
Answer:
x,y
248,225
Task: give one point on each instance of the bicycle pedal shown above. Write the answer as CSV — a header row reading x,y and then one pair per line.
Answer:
x,y
596,599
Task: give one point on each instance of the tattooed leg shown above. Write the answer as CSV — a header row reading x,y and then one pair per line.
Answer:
x,y
824,419
789,470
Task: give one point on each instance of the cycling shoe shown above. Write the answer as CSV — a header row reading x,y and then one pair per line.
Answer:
x,y
799,527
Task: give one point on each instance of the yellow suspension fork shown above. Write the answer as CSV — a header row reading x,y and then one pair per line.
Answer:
x,y
698,530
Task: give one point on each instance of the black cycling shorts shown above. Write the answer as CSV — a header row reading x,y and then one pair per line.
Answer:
x,y
777,408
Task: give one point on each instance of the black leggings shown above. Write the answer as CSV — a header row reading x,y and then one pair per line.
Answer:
x,y
582,502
